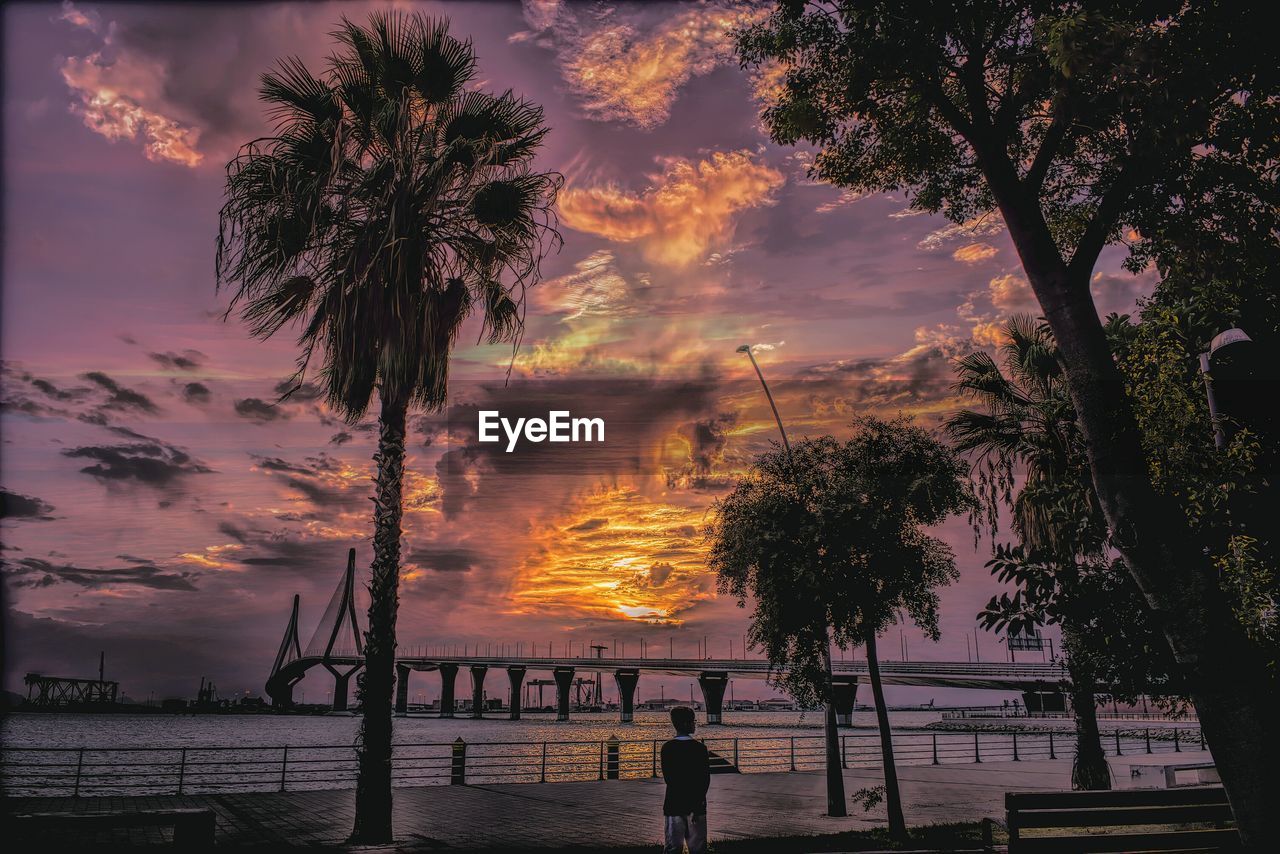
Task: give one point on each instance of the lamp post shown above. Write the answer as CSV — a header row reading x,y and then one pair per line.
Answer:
x,y
1220,341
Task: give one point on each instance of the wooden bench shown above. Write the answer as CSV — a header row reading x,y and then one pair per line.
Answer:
x,y
192,828
1127,819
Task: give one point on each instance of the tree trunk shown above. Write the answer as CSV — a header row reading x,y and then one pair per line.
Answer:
x,y
892,797
835,775
1230,684
1089,768
373,785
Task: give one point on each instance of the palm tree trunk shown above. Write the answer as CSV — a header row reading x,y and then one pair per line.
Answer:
x,y
892,797
1089,769
373,785
835,776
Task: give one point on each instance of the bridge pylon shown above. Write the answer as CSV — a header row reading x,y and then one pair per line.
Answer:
x,y
345,615
279,687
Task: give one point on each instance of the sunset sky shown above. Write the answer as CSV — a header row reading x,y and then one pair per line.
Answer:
x,y
165,507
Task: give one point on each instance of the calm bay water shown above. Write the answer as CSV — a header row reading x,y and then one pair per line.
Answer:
x,y
72,730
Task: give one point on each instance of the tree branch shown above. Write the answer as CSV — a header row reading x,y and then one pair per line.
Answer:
x,y
1048,150
1104,219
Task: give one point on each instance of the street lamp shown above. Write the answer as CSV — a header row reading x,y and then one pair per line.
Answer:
x,y
1228,338
746,348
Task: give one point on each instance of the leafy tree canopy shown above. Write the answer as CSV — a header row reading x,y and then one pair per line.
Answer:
x,y
831,542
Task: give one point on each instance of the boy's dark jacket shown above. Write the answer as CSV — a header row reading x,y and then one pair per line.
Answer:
x,y
687,770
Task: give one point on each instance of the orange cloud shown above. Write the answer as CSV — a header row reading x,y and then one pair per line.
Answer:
x,y
689,208
626,74
112,99
975,252
617,555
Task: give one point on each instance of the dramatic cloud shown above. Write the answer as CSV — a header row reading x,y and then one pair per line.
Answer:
x,y
445,558
975,252
152,464
322,480
196,393
256,409
16,506
187,360
629,64
35,572
120,398
986,225
109,97
687,210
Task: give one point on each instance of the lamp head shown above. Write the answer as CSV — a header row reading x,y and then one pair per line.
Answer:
x,y
745,348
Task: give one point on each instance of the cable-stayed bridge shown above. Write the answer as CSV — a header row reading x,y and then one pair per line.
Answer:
x,y
337,645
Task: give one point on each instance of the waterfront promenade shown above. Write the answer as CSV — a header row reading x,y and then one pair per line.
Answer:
x,y
586,815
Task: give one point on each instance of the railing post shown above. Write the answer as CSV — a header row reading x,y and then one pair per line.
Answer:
x,y
79,767
1202,738
1177,748
1147,734
1015,748
655,759
793,753
600,776
542,776
612,763
458,771
1118,753
735,754
935,749
1052,755
182,769
977,754
284,766
844,760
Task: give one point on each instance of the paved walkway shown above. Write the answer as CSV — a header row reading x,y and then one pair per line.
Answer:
x,y
610,813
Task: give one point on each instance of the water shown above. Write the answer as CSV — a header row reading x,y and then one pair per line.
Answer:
x,y
161,730
66,754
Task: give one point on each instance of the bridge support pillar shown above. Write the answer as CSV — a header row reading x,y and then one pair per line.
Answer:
x,y
515,673
626,681
845,694
564,681
1044,698
341,688
478,672
402,689
713,684
448,678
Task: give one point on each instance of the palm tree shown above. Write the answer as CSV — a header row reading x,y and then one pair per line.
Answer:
x,y
1028,422
390,203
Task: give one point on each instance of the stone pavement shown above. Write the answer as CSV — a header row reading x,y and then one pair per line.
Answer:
x,y
610,813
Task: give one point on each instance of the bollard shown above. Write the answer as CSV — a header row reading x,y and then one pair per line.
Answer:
x,y
611,761
458,771
79,768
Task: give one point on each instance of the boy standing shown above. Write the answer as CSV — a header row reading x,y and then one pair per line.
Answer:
x,y
687,772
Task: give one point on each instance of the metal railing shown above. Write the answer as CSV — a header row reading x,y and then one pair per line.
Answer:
x,y
85,771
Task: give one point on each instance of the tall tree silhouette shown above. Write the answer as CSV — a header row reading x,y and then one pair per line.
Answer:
x,y
833,547
1083,125
390,203
1027,422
